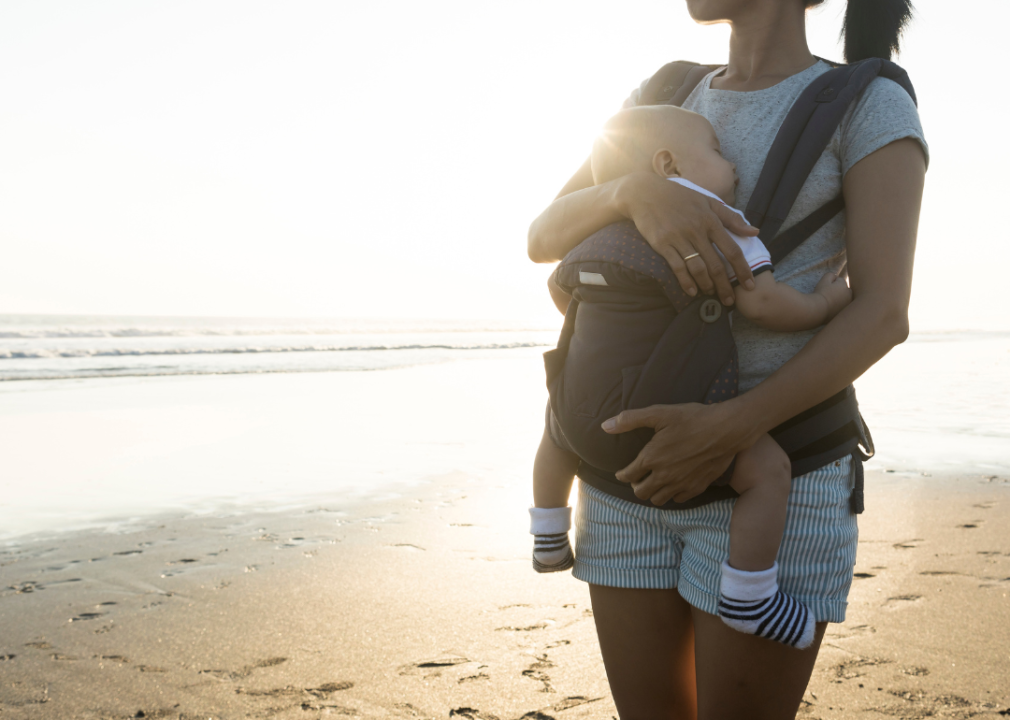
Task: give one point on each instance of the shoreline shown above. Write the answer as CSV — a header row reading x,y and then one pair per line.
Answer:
x,y
424,606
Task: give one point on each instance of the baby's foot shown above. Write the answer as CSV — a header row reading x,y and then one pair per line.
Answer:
x,y
551,549
751,602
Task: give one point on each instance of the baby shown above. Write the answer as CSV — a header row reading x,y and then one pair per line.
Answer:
x,y
682,146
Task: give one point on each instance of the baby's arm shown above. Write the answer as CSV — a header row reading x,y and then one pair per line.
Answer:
x,y
559,296
777,306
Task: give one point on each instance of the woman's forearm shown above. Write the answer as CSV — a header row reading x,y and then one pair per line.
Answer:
x,y
571,218
883,193
847,347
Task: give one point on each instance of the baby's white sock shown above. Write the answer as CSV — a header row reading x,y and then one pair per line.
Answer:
x,y
751,602
549,527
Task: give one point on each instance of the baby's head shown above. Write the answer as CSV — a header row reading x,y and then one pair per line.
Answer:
x,y
667,140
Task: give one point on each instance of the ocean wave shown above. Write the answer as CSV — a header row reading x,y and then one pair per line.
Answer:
x,y
18,331
50,353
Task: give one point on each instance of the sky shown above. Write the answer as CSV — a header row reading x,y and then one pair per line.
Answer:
x,y
385,159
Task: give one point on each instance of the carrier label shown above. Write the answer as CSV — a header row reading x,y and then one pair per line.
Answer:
x,y
588,278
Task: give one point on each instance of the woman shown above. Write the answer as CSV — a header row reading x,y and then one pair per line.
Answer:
x,y
666,653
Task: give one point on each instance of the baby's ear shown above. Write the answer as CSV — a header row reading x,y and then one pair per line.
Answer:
x,y
665,164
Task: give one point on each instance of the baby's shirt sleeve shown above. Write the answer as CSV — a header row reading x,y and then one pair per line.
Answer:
x,y
754,252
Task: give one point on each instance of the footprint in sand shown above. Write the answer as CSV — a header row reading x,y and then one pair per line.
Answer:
x,y
900,601
121,659
471,714
245,671
918,704
86,616
323,691
525,628
573,701
843,632
536,672
24,588
863,575
907,544
857,667
473,678
432,668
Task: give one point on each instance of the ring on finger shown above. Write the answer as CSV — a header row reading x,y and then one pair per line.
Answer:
x,y
692,255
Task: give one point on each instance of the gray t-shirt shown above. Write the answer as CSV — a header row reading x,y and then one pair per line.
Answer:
x,y
746,123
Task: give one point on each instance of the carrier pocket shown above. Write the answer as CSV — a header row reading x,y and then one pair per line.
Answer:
x,y
554,363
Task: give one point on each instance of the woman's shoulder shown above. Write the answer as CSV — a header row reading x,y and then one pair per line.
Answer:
x,y
884,113
636,95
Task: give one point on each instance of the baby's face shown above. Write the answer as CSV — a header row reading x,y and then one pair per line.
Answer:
x,y
699,158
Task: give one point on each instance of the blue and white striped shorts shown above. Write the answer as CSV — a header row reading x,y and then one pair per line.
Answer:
x,y
621,544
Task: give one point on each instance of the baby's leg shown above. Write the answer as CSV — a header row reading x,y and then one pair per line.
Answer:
x,y
553,474
751,601
763,477
551,518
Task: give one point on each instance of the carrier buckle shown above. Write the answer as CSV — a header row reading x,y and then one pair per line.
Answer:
x,y
710,310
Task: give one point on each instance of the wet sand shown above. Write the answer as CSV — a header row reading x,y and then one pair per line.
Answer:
x,y
424,605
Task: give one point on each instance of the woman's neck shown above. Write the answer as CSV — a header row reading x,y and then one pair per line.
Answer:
x,y
766,47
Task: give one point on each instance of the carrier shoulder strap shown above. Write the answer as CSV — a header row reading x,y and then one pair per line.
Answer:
x,y
797,147
673,82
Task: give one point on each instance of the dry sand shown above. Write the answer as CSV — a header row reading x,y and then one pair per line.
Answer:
x,y
425,606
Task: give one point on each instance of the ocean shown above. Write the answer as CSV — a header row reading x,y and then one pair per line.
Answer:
x,y
106,418
50,347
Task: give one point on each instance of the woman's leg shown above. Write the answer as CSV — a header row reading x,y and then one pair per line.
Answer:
x,y
742,676
647,640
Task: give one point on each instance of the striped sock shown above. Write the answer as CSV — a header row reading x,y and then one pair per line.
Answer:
x,y
751,602
551,550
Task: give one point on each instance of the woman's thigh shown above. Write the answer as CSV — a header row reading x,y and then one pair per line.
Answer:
x,y
647,640
742,676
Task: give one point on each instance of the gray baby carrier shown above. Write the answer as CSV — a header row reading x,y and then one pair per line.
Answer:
x,y
632,338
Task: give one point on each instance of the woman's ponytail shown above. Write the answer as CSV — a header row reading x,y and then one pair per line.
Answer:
x,y
873,28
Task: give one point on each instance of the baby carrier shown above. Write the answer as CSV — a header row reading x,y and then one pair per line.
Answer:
x,y
632,338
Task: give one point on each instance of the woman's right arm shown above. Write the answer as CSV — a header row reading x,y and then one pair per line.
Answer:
x,y
677,222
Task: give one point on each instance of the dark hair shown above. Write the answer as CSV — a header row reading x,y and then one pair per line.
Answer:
x,y
872,28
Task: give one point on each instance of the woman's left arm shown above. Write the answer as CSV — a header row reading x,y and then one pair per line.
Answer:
x,y
695,443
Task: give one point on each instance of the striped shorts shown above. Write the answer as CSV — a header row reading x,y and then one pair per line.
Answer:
x,y
621,544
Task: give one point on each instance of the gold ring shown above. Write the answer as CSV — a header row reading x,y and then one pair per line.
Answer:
x,y
692,255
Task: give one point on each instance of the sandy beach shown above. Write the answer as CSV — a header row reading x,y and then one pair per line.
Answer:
x,y
416,600
425,606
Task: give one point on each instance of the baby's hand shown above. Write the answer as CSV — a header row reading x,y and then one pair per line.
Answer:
x,y
836,291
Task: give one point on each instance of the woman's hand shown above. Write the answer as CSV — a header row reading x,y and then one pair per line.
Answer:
x,y
692,447
676,221
680,223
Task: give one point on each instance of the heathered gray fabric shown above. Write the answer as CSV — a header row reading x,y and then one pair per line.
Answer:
x,y
746,123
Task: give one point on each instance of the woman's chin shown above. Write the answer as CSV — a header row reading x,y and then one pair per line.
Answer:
x,y
709,12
